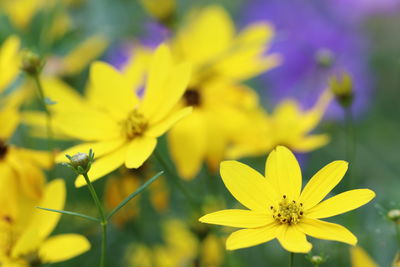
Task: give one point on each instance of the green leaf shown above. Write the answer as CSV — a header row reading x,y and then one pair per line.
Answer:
x,y
72,213
126,200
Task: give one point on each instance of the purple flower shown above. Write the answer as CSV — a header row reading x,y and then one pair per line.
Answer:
x,y
305,31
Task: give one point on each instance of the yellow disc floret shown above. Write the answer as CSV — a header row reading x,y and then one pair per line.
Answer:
x,y
287,212
134,125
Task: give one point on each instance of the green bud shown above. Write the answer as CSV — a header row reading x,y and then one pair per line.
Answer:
x,y
394,215
324,57
317,260
81,162
32,64
342,88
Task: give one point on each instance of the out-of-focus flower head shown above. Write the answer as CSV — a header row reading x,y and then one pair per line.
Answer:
x,y
279,208
320,33
118,188
288,125
360,258
10,61
122,127
23,165
179,248
161,10
25,230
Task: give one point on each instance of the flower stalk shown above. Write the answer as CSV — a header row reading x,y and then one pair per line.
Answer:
x,y
291,259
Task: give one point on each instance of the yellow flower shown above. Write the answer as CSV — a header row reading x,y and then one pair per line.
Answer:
x,y
288,125
221,58
117,125
25,230
210,43
277,208
10,61
360,258
24,165
179,248
218,114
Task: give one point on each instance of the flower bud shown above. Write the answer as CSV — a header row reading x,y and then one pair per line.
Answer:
x,y
324,57
317,260
394,215
81,162
32,63
162,10
342,88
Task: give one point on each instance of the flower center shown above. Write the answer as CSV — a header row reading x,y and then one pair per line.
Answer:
x,y
192,97
287,212
3,149
134,125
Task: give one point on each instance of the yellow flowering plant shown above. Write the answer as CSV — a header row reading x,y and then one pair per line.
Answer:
x,y
279,208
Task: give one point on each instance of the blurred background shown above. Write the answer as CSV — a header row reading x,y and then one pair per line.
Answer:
x,y
316,40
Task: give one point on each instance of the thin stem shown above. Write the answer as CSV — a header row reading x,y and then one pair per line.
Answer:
x,y
176,180
291,259
103,219
71,213
350,144
397,226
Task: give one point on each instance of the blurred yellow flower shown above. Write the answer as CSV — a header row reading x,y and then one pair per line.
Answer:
x,y
279,209
360,258
221,58
288,125
119,126
23,165
118,188
218,115
10,61
178,249
25,230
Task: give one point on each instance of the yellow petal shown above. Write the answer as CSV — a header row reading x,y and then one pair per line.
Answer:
x,y
162,126
310,143
294,240
9,121
9,61
187,143
140,149
63,247
251,237
104,165
238,218
61,93
171,92
110,90
322,183
87,125
42,222
325,230
248,186
283,172
360,258
99,149
159,72
341,203
83,54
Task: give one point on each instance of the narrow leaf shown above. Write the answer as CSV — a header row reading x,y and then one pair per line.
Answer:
x,y
134,194
72,213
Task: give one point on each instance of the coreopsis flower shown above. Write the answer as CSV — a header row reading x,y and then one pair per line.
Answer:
x,y
178,249
279,208
120,127
23,164
219,112
221,59
10,61
288,125
25,230
360,258
118,188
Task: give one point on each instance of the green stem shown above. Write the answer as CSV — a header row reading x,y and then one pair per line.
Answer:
x,y
103,220
176,180
350,144
291,259
397,227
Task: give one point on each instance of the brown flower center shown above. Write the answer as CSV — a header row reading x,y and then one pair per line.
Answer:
x,y
287,212
192,97
3,149
134,125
